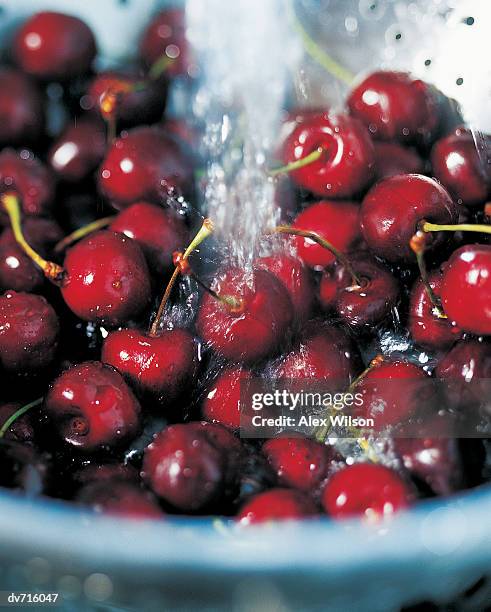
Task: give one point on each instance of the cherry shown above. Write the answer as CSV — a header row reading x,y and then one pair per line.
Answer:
x,y
395,106
120,498
22,429
21,109
158,231
334,277
54,46
23,468
222,397
299,463
427,328
91,472
26,175
182,130
78,150
162,366
91,406
394,208
29,331
459,165
107,279
336,222
276,505
144,164
466,288
392,159
253,323
338,159
369,490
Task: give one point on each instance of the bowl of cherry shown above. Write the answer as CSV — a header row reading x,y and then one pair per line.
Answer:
x,y
127,334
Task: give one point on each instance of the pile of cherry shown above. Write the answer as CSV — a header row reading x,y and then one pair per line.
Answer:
x,y
115,403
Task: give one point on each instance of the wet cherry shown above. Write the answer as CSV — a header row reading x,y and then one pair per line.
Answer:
x,y
392,159
276,505
120,498
221,403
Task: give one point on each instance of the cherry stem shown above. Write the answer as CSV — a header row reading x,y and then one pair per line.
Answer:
x,y
459,227
234,304
81,232
160,66
299,163
343,260
417,244
17,414
204,232
316,52
52,271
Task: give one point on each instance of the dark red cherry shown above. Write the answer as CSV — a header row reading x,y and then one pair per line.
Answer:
x,y
22,429
78,150
162,366
159,232
365,489
25,174
182,130
462,162
120,498
23,468
21,109
54,46
144,164
276,505
296,279
395,106
29,331
427,328
256,326
347,163
466,288
334,278
17,270
336,222
221,402
92,471
299,463
392,159
393,209
107,279
91,406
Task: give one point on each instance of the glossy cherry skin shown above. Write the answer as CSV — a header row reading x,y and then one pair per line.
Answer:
x,y
17,270
91,406
120,498
54,46
221,402
299,463
466,288
107,279
159,232
29,332
393,209
161,366
392,159
78,150
22,429
347,165
144,164
256,328
189,465
296,279
26,175
395,106
426,327
336,222
461,167
333,279
365,489
276,505
21,109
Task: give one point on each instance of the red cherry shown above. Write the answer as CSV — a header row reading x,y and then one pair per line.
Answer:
x,y
91,406
460,164
276,505
222,397
366,489
257,326
54,46
395,106
466,288
29,330
346,164
22,429
426,327
103,473
182,130
162,366
392,159
159,232
144,164
107,279
120,498
334,278
78,150
336,222
393,209
21,109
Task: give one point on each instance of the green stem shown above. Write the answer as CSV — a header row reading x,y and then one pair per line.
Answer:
x,y
17,414
458,227
81,232
160,66
299,163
